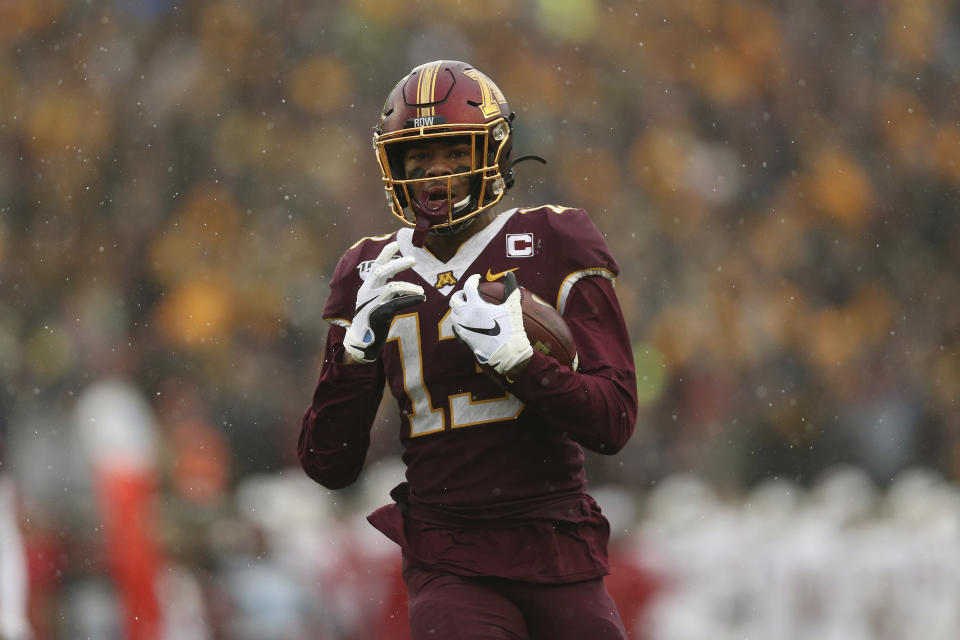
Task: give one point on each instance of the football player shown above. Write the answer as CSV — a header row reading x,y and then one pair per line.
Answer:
x,y
498,536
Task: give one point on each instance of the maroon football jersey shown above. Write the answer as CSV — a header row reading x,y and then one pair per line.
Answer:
x,y
487,474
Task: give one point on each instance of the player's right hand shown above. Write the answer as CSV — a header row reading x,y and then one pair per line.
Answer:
x,y
378,301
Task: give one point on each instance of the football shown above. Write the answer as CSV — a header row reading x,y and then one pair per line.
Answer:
x,y
545,327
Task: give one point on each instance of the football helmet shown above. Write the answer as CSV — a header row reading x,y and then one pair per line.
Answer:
x,y
442,100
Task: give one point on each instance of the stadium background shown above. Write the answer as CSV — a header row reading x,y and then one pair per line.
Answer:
x,y
777,179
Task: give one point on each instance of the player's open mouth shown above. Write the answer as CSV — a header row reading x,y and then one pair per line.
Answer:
x,y
435,200
437,193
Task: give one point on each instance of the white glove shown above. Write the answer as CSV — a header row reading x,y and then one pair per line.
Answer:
x,y
493,331
378,301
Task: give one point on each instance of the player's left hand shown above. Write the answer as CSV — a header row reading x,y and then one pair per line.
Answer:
x,y
493,331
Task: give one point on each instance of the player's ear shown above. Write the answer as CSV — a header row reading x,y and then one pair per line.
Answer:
x,y
509,284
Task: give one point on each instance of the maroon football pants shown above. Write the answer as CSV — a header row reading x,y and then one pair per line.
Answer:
x,y
452,607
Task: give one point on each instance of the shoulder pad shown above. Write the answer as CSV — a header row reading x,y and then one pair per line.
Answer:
x,y
548,208
347,277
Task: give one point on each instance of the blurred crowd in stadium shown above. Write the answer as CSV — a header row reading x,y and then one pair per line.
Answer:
x,y
177,180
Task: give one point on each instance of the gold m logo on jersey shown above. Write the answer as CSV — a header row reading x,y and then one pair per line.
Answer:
x,y
445,279
490,95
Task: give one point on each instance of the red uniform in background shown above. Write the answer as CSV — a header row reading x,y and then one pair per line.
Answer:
x,y
498,535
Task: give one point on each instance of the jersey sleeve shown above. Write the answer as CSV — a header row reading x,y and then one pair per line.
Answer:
x,y
597,404
335,430
344,284
347,278
584,253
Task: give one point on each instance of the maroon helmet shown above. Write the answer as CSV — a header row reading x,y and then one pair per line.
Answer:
x,y
442,99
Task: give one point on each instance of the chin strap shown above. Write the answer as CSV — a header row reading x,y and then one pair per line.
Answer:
x,y
454,228
460,207
423,226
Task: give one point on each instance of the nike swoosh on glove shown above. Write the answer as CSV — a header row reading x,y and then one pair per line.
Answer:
x,y
493,331
378,301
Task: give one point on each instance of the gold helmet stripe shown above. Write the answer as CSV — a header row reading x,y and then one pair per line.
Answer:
x,y
427,87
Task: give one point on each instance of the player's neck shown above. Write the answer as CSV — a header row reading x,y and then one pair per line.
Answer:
x,y
445,247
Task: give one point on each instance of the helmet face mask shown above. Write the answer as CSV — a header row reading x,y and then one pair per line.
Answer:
x,y
444,102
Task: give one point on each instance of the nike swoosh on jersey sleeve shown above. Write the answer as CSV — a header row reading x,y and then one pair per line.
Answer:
x,y
496,276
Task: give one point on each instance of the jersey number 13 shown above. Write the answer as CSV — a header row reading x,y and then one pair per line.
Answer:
x,y
424,417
